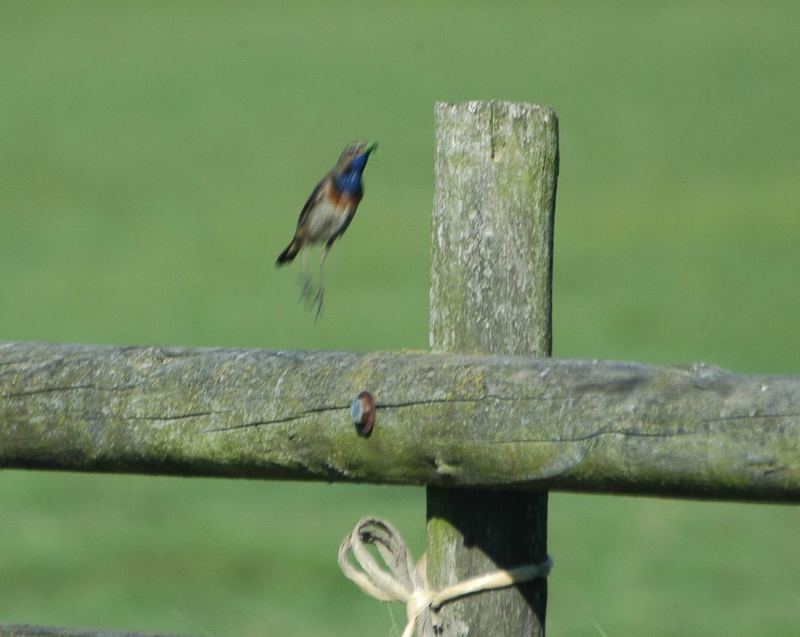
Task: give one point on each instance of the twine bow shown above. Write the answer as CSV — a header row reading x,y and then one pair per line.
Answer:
x,y
406,583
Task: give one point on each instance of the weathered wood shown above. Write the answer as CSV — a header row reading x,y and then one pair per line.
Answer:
x,y
496,167
442,419
11,630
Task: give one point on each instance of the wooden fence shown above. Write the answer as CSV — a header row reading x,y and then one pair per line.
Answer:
x,y
485,421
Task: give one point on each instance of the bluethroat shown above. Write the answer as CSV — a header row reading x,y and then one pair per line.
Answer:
x,y
328,212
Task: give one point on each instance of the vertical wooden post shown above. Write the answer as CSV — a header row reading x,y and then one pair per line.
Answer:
x,y
496,167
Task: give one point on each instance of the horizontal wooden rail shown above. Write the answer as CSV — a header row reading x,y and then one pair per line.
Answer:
x,y
442,419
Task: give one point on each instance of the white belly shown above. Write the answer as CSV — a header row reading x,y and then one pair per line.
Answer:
x,y
326,220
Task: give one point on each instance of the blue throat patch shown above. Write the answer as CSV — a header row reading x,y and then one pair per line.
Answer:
x,y
349,181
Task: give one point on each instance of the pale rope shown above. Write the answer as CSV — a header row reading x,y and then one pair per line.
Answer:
x,y
406,583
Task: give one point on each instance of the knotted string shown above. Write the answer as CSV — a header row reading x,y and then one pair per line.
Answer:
x,y
406,583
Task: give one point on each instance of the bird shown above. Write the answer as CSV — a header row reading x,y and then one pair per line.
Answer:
x,y
328,213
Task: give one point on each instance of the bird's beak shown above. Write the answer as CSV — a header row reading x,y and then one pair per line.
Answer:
x,y
370,147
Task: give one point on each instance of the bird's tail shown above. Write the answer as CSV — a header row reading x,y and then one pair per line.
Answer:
x,y
289,253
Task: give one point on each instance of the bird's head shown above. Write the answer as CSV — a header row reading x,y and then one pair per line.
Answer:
x,y
354,157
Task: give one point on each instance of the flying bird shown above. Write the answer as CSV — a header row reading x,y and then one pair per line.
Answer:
x,y
328,212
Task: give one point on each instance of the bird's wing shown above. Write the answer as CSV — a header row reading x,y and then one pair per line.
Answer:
x,y
313,199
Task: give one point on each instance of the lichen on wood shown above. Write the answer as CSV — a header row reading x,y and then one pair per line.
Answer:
x,y
442,419
496,167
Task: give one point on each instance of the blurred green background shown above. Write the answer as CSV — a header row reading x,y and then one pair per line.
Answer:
x,y
153,159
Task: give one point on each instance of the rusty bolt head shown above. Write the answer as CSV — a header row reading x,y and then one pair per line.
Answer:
x,y
363,412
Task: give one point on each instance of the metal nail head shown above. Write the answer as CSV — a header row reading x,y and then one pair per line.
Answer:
x,y
363,413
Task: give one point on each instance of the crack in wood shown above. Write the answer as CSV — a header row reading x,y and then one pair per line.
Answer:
x,y
49,390
592,436
476,399
275,421
399,405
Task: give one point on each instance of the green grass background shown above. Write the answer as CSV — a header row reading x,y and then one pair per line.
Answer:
x,y
153,159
